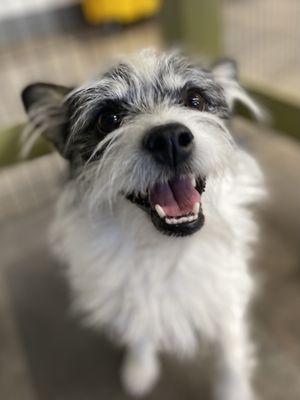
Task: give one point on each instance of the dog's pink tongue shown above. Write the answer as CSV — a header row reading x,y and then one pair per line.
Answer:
x,y
176,197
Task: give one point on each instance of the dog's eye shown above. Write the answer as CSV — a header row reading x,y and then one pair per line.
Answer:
x,y
194,99
108,121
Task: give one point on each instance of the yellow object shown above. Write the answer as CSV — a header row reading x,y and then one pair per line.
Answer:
x,y
122,11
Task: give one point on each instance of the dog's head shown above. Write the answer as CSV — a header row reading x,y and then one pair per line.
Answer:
x,y
151,129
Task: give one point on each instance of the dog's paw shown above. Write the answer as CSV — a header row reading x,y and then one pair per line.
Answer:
x,y
139,376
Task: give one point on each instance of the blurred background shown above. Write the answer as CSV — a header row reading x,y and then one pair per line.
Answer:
x,y
44,352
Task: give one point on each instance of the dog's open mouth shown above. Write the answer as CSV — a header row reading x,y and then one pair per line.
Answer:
x,y
174,206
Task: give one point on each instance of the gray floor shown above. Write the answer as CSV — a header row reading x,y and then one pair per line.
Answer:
x,y
45,353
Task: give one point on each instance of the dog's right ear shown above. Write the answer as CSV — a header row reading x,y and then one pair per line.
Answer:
x,y
48,112
226,74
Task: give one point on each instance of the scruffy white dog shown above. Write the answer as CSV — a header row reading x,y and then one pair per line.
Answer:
x,y
153,222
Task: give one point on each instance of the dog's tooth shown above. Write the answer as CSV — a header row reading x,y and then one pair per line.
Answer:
x,y
193,181
173,221
160,211
180,220
196,208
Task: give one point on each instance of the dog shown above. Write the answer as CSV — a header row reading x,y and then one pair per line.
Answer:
x,y
154,222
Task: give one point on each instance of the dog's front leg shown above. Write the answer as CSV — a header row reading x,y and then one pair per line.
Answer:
x,y
140,369
235,362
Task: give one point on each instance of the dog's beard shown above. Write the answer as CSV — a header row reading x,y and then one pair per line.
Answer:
x,y
172,199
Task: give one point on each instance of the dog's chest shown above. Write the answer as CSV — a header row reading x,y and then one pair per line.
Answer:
x,y
140,284
164,292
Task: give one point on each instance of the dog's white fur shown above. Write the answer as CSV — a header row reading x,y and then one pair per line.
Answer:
x,y
154,292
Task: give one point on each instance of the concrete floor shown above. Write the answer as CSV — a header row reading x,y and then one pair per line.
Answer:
x,y
45,353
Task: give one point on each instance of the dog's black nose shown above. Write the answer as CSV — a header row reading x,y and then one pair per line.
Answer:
x,y
170,144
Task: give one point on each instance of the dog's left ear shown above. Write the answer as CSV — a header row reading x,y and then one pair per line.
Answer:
x,y
226,74
48,113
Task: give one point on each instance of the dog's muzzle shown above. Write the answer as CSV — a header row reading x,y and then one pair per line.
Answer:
x,y
174,206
